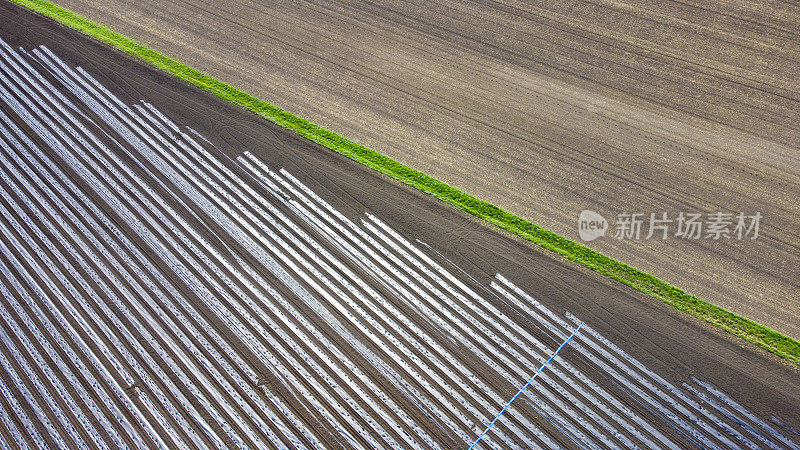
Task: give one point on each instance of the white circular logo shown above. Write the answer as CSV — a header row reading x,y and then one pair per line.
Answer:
x,y
591,225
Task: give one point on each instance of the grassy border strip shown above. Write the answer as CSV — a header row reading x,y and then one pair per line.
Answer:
x,y
760,335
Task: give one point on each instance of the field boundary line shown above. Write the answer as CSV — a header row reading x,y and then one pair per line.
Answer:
x,y
771,340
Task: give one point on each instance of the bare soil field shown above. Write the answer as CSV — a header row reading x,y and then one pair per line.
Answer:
x,y
177,272
544,110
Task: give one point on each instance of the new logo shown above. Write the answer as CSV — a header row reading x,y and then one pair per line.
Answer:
x,y
591,225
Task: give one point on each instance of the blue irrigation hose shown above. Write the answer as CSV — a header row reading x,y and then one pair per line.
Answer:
x,y
524,387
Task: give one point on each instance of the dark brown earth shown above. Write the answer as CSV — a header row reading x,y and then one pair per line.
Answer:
x,y
544,109
668,342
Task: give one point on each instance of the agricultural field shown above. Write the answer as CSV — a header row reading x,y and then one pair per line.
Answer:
x,y
176,272
544,109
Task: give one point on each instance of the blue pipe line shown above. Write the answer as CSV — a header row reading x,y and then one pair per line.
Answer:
x,y
524,387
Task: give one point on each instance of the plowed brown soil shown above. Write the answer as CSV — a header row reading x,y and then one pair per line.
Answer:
x,y
669,342
544,109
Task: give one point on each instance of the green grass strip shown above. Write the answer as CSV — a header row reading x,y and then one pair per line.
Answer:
x,y
760,335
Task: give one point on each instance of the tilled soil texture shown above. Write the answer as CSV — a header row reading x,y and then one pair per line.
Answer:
x,y
177,272
544,109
